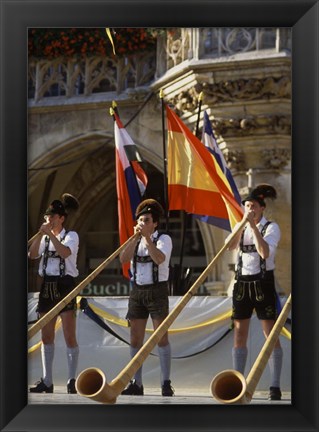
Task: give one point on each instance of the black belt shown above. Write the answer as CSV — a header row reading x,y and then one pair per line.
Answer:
x,y
268,275
51,278
153,285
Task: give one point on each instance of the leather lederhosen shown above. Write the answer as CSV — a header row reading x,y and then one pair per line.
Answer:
x,y
55,288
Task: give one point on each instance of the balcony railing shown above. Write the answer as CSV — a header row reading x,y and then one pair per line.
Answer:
x,y
218,42
73,77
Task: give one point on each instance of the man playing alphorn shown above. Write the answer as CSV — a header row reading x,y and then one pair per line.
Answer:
x,y
149,255
254,287
58,250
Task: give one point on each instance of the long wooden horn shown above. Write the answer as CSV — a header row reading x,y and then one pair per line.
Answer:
x,y
91,382
57,308
34,237
230,386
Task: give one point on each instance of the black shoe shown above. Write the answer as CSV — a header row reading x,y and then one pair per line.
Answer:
x,y
133,389
40,387
71,386
274,393
167,389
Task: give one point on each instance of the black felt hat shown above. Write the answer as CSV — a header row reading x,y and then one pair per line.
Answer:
x,y
64,206
56,207
150,206
259,194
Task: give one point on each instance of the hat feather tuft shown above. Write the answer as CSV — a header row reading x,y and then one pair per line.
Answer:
x,y
265,190
260,193
70,202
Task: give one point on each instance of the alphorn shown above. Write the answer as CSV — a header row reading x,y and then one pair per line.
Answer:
x,y
34,237
230,386
91,382
58,307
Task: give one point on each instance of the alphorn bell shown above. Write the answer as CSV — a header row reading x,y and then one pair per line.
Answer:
x,y
58,307
91,382
230,386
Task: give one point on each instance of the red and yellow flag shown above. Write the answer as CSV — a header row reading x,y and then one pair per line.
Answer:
x,y
196,182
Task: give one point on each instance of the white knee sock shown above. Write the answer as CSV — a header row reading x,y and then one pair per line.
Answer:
x,y
275,365
138,373
165,362
73,357
239,359
47,355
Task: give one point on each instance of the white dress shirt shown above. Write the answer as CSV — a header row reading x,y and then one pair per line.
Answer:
x,y
144,271
251,260
53,265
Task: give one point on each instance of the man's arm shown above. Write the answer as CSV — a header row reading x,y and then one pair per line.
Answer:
x,y
157,256
34,247
127,253
262,246
234,243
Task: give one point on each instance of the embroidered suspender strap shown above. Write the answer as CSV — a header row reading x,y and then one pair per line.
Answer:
x,y
45,255
248,249
134,260
52,254
240,256
145,259
263,261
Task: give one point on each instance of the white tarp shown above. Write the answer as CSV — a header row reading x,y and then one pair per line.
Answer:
x,y
199,349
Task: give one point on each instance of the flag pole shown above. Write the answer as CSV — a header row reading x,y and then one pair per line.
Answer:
x,y
165,183
200,102
185,215
164,160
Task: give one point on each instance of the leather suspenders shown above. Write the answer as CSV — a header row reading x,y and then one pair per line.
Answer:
x,y
145,259
53,254
250,248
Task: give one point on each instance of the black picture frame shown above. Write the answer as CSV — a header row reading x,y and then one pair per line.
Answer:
x,y
17,16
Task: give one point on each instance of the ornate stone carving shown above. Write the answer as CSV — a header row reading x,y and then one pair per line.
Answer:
x,y
177,47
252,125
186,101
276,158
230,91
235,159
247,90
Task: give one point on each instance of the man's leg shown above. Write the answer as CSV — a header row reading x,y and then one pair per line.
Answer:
x,y
239,351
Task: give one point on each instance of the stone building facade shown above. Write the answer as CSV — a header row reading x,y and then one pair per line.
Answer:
x,y
244,75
